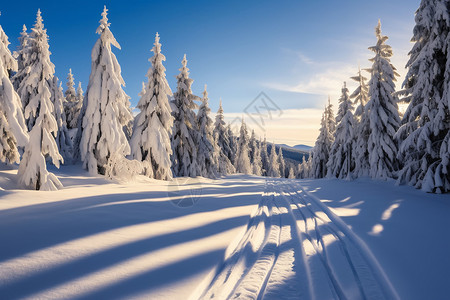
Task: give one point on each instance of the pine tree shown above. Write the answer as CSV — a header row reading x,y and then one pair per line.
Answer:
x,y
106,106
222,139
341,163
323,144
424,134
243,156
207,155
256,160
264,157
233,146
12,123
23,58
150,141
72,105
63,140
362,131
291,173
40,110
185,128
274,168
383,111
281,163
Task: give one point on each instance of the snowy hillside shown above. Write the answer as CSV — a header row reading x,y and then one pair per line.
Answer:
x,y
275,238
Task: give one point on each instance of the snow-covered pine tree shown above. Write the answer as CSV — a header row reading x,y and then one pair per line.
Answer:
x,y
40,112
256,159
72,105
63,140
274,167
301,169
207,155
23,57
322,148
424,134
243,156
264,157
291,173
13,128
223,144
282,163
341,161
150,141
106,106
185,134
383,111
233,145
252,145
362,123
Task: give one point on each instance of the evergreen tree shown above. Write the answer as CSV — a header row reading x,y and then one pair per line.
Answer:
x,y
362,131
106,106
185,129
341,163
12,123
291,173
383,111
23,58
243,156
233,146
323,145
424,134
282,163
72,105
150,141
256,159
274,168
40,111
63,140
264,157
222,139
207,155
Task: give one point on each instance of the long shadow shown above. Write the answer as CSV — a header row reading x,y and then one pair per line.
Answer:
x,y
49,224
78,268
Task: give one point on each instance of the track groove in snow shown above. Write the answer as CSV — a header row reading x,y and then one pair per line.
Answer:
x,y
294,247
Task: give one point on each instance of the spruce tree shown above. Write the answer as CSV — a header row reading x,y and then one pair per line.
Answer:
x,y
185,128
243,155
40,112
207,155
383,111
13,128
256,160
264,157
274,168
233,145
23,58
72,105
341,163
106,106
424,134
222,139
362,130
282,163
150,141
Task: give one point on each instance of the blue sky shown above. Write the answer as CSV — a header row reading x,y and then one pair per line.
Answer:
x,y
297,52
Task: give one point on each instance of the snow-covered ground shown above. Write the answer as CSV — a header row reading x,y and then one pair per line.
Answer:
x,y
240,236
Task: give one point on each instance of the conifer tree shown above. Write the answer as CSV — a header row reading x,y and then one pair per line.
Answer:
x,y
13,128
383,111
282,163
40,111
207,155
106,106
222,139
150,141
62,137
362,131
233,145
274,168
72,105
23,58
425,130
256,160
185,128
341,163
264,157
291,173
243,156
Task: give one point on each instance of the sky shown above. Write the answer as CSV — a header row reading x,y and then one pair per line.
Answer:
x,y
273,63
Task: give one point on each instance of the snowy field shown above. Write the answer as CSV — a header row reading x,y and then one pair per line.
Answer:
x,y
241,236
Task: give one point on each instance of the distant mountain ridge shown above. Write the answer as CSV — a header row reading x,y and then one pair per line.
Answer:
x,y
300,147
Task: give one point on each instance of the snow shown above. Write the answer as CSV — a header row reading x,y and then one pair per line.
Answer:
x,y
151,239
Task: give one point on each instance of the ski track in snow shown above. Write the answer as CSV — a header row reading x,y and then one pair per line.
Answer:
x,y
294,247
